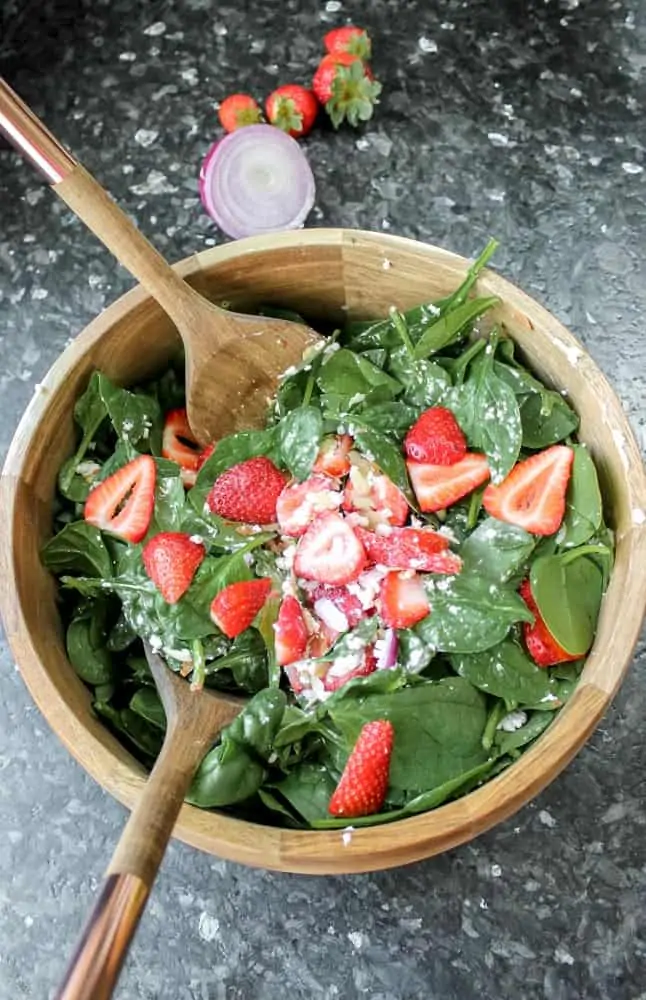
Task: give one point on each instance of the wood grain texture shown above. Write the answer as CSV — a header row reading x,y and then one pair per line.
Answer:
x,y
338,272
193,721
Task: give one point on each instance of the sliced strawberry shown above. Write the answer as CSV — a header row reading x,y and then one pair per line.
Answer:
x,y
533,494
171,560
123,503
248,492
321,640
234,608
329,551
300,503
438,486
435,438
335,678
293,676
364,782
291,632
402,600
410,548
337,607
333,458
179,445
374,497
543,648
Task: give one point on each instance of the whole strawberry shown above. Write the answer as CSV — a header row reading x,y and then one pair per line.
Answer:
x,y
346,87
350,39
293,109
238,110
248,492
364,782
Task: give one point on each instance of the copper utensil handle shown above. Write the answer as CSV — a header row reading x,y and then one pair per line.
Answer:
x,y
28,134
96,964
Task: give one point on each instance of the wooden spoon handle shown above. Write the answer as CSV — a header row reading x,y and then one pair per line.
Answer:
x,y
96,964
88,200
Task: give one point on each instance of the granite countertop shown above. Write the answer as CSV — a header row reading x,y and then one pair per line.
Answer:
x,y
519,119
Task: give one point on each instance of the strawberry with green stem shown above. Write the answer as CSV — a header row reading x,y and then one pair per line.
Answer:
x,y
346,87
293,109
238,110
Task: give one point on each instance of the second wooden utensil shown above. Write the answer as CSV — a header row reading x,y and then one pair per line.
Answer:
x,y
193,720
233,361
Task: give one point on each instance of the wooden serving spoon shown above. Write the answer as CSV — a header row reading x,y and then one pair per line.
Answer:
x,y
193,720
233,362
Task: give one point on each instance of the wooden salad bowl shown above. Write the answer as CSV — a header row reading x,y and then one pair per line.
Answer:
x,y
327,275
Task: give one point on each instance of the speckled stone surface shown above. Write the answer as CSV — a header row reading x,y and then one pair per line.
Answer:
x,y
520,119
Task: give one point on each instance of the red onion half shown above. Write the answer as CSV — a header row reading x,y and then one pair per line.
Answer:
x,y
256,180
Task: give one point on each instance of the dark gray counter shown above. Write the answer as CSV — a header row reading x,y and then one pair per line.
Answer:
x,y
523,120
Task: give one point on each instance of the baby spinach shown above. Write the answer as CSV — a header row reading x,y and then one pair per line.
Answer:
x,y
387,456
452,325
504,671
308,789
568,589
583,508
469,613
487,411
147,703
169,510
413,654
245,663
424,381
536,724
497,550
78,548
299,437
86,645
347,375
546,417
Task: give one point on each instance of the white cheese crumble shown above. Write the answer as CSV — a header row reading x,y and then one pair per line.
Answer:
x,y
513,721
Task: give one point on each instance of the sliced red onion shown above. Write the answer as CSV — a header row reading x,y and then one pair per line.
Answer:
x,y
256,180
330,615
386,649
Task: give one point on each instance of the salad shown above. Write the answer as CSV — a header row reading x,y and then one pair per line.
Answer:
x,y
402,570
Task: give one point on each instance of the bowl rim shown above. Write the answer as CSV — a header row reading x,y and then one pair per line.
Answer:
x,y
333,851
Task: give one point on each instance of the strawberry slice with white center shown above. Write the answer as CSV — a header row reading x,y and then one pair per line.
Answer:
x,y
533,494
438,486
402,600
171,559
300,503
179,445
329,552
291,632
123,503
410,548
234,608
333,458
374,497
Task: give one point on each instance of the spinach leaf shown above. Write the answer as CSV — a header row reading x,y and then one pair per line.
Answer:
x,y
535,725
133,415
568,589
438,728
583,510
546,419
497,550
245,662
265,623
147,703
213,575
487,411
168,513
469,613
138,732
452,325
424,381
86,645
216,532
259,721
387,456
75,479
78,548
393,419
299,438
413,654
348,375
504,671
308,789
